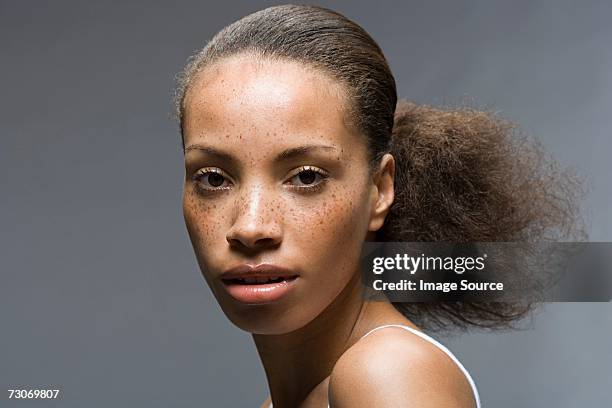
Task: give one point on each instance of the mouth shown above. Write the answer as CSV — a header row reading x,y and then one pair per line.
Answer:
x,y
258,280
259,284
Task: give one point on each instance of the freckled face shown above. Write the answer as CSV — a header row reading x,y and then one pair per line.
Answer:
x,y
274,175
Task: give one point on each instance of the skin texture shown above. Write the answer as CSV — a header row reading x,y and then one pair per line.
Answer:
x,y
260,210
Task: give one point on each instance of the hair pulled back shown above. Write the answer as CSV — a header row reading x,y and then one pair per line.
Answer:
x,y
462,175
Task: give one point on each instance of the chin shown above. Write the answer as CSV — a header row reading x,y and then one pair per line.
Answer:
x,y
269,319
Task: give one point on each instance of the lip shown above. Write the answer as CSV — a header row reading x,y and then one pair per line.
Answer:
x,y
259,284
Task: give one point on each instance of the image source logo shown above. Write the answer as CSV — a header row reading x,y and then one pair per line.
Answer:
x,y
488,271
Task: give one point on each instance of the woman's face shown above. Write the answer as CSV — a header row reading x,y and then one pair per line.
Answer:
x,y
274,176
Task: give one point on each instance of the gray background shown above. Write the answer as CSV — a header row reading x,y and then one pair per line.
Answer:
x,y
101,296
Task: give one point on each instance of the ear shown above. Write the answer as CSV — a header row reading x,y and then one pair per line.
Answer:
x,y
382,192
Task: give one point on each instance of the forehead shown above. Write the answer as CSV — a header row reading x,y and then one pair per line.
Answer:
x,y
265,103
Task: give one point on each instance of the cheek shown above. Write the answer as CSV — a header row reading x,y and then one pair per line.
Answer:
x,y
204,221
337,217
330,235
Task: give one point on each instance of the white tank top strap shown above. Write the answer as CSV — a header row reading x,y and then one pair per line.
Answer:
x,y
441,347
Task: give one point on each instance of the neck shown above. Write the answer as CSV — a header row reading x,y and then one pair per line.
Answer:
x,y
296,362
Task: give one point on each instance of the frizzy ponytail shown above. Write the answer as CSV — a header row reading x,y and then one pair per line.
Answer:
x,y
466,175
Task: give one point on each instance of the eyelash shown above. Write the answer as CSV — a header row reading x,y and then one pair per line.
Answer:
x,y
311,188
203,172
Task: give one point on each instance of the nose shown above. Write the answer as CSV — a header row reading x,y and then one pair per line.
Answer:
x,y
256,224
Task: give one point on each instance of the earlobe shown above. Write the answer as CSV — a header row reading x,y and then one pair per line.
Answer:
x,y
384,183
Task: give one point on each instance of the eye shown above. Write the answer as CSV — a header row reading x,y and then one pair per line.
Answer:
x,y
211,178
308,177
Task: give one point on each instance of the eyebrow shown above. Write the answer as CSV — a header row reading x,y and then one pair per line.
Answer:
x,y
285,155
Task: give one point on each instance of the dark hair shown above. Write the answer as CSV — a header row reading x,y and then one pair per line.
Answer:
x,y
462,175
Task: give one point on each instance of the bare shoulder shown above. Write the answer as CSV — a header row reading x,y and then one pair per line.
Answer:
x,y
392,367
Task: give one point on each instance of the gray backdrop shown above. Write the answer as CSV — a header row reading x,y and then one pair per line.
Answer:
x,y
101,296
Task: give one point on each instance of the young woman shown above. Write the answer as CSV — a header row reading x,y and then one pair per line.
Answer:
x,y
296,153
